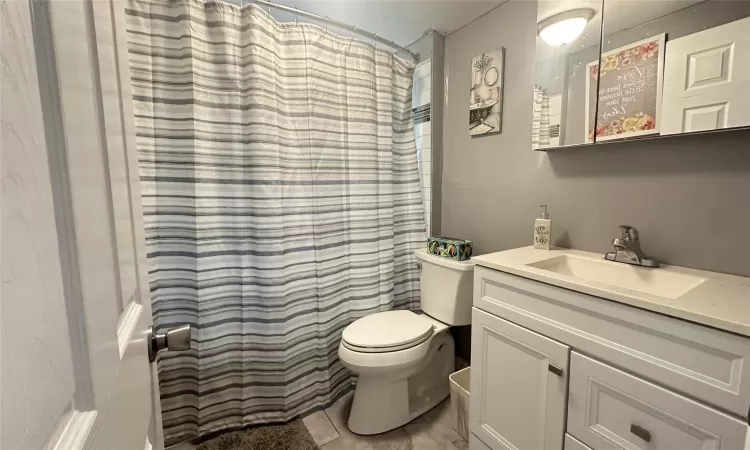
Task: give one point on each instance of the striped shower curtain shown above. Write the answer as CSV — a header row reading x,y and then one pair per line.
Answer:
x,y
282,202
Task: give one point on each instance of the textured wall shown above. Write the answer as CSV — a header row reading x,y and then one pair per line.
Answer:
x,y
431,47
688,195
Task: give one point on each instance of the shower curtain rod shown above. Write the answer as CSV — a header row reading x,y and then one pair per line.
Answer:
x,y
338,24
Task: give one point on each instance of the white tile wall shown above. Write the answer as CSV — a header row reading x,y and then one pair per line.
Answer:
x,y
421,84
424,141
424,128
423,69
422,95
420,98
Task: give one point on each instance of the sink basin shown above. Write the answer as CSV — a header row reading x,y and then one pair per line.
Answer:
x,y
656,282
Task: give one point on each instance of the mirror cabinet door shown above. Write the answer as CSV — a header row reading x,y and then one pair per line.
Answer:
x,y
663,67
568,39
676,66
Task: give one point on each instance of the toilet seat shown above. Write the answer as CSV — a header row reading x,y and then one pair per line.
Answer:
x,y
387,331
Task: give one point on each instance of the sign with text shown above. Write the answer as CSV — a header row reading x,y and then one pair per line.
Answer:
x,y
629,97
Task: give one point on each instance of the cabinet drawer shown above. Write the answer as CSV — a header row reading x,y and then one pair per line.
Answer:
x,y
572,443
706,364
611,409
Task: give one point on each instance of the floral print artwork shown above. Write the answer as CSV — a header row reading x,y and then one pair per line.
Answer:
x,y
639,122
633,56
641,58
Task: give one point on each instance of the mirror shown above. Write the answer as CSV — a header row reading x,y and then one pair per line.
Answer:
x,y
568,38
666,67
673,66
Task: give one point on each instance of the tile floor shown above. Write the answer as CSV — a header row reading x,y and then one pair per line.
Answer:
x,y
431,431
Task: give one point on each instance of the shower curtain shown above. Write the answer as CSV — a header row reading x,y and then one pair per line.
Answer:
x,y
540,136
281,198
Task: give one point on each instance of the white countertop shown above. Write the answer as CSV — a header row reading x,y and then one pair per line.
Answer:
x,y
721,301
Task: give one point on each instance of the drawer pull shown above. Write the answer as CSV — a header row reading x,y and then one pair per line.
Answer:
x,y
640,432
556,370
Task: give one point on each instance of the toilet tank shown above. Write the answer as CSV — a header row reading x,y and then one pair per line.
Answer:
x,y
447,287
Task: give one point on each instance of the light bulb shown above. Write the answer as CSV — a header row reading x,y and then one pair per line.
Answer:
x,y
563,32
565,27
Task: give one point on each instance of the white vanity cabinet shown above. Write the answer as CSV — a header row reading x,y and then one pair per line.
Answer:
x,y
556,369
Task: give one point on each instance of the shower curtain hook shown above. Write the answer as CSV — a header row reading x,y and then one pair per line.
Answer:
x,y
296,16
325,24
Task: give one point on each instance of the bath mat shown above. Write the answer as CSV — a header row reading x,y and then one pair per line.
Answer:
x,y
290,436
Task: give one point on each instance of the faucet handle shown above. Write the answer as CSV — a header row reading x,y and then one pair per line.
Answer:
x,y
629,232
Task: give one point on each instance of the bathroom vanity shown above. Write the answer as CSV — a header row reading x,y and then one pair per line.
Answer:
x,y
570,351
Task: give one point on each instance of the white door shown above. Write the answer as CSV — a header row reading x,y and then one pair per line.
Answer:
x,y
75,298
518,386
707,80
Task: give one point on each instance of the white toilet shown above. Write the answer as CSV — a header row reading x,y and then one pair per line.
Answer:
x,y
403,359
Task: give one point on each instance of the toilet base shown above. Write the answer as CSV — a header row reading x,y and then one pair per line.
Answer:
x,y
381,404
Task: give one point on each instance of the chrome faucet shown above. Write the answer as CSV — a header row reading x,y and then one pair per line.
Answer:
x,y
628,249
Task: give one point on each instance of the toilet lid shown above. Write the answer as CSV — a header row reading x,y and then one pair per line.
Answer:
x,y
387,331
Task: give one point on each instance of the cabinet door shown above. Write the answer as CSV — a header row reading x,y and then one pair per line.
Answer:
x,y
572,443
476,444
518,386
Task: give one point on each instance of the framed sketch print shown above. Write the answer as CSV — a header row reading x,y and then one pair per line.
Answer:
x,y
630,89
486,93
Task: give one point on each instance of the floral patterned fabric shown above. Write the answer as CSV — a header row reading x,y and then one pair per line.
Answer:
x,y
642,59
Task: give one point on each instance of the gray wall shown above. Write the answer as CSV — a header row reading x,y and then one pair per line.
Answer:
x,y
423,46
437,116
689,195
709,14
432,45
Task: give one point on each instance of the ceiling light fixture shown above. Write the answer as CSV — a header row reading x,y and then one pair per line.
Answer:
x,y
565,27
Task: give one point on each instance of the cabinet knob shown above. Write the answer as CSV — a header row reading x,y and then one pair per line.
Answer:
x,y
640,432
556,370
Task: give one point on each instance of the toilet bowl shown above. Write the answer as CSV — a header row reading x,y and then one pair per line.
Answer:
x,y
402,358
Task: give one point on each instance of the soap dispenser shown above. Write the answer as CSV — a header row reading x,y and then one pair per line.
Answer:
x,y
542,230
